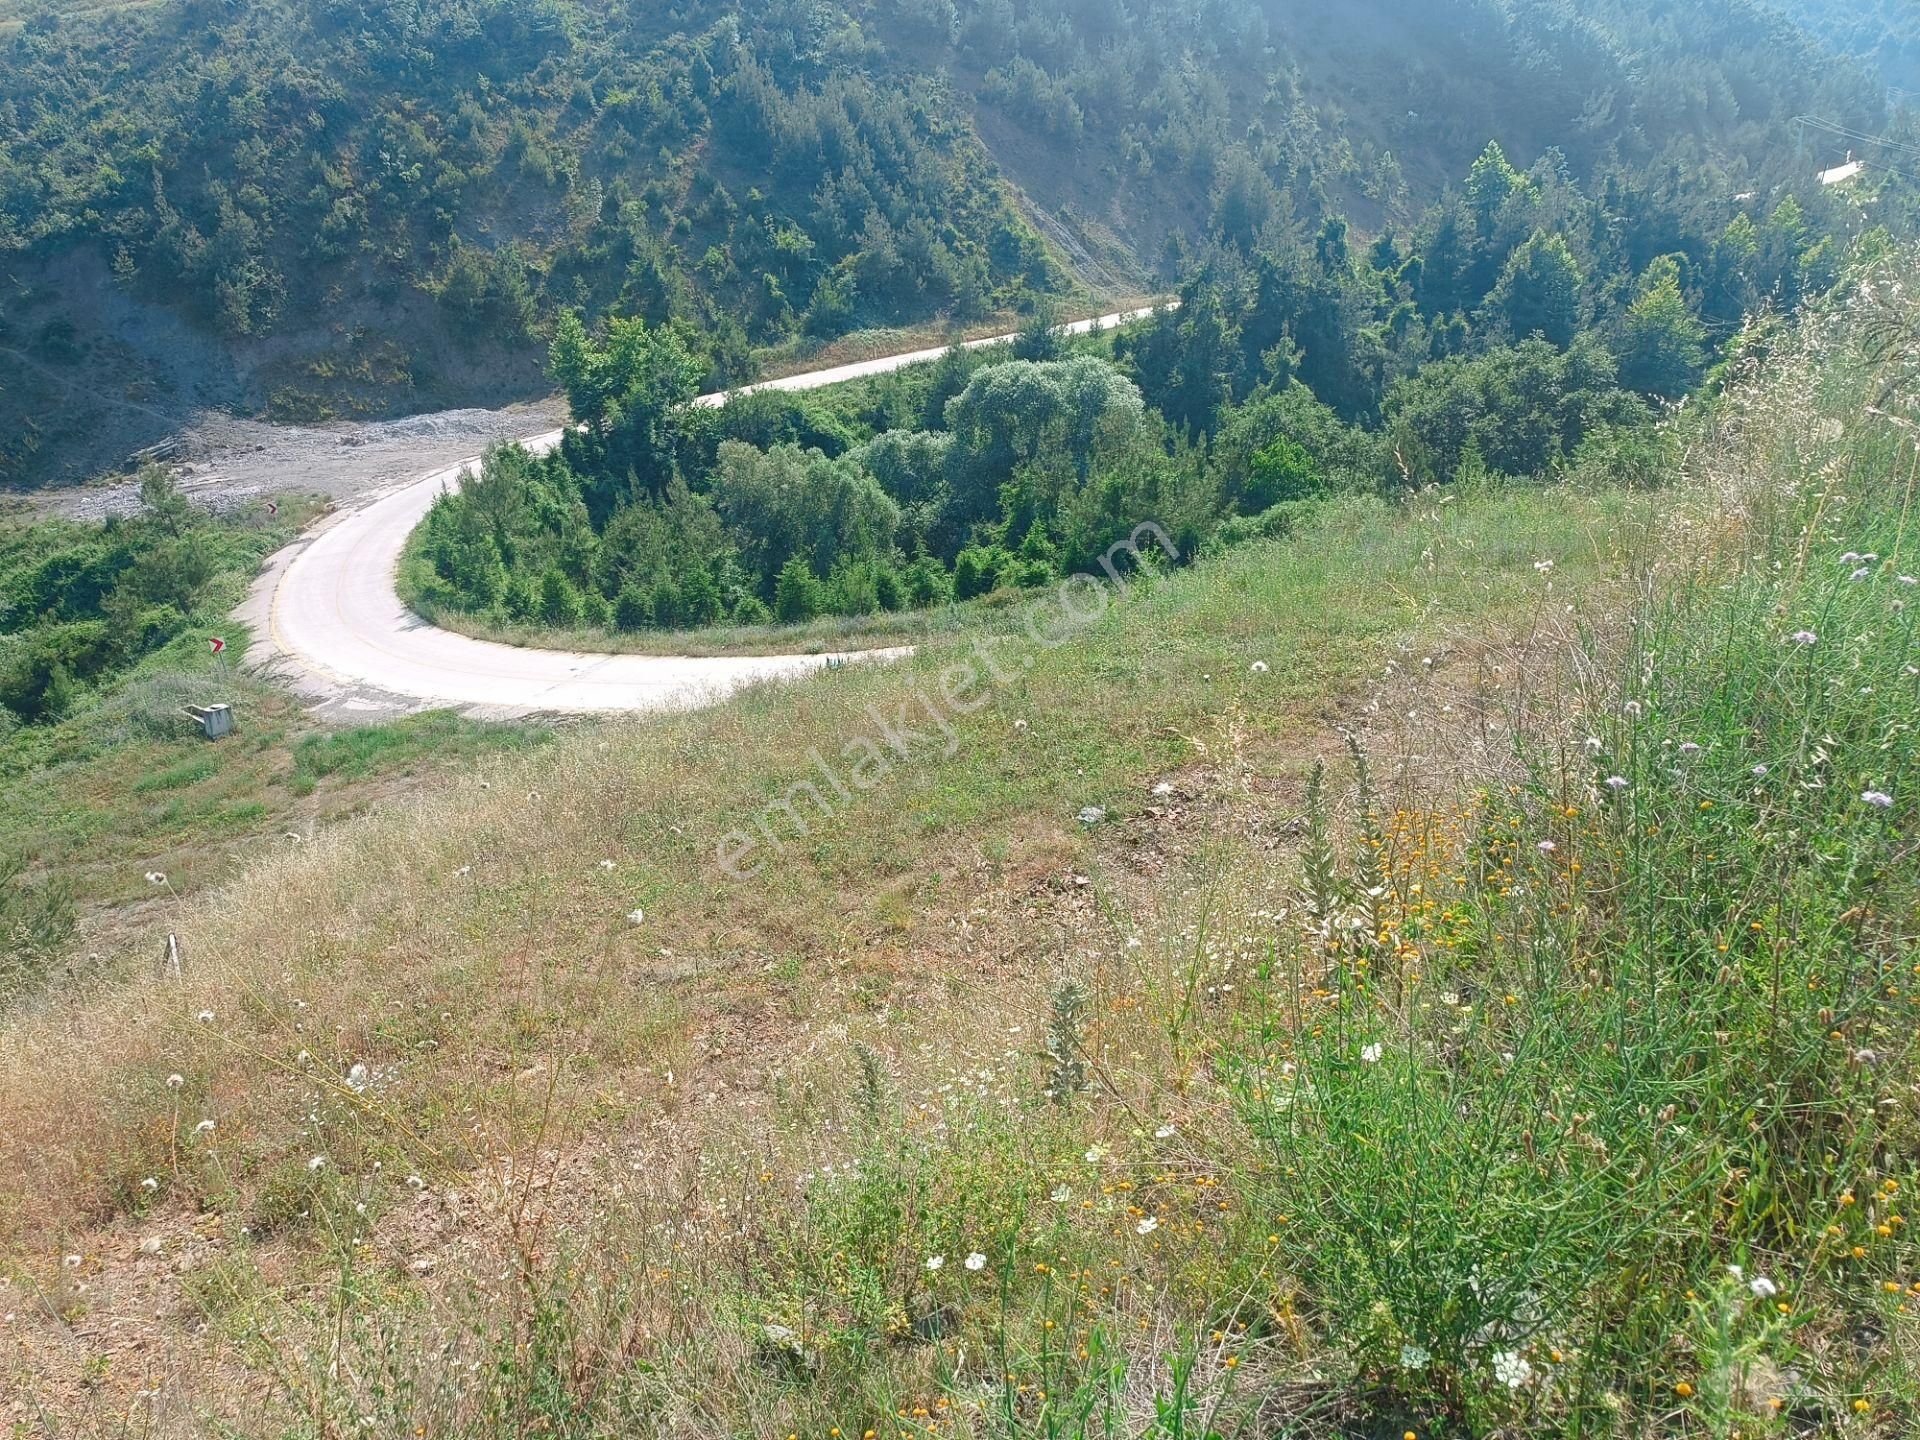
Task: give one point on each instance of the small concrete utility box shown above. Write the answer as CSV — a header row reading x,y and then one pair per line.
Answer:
x,y
216,720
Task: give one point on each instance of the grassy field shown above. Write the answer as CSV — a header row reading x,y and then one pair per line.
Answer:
x,y
1128,1053
116,813
134,789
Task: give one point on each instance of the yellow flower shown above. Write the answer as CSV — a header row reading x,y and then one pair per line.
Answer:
x,y
1683,1390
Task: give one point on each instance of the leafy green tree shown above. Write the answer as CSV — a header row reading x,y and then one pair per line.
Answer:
x,y
1021,413
927,582
831,311
632,609
1188,360
765,418
796,593
1344,456
787,502
664,602
485,296
852,589
1538,293
661,538
977,570
1520,410
949,376
175,571
1244,200
910,465
1490,183
1312,315
41,676
1039,337
1662,344
699,596
1283,470
559,601
36,686
629,390
161,501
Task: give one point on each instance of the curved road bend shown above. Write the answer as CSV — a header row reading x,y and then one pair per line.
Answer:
x,y
326,616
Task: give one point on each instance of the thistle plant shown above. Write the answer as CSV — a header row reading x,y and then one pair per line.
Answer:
x,y
1066,1071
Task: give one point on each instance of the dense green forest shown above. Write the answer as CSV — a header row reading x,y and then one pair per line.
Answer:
x,y
319,206
1880,31
1521,325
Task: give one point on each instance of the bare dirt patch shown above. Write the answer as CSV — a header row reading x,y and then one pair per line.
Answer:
x,y
222,461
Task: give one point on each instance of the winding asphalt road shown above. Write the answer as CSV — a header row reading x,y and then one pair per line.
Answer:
x,y
326,617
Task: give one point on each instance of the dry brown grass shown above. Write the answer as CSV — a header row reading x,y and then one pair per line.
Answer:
x,y
559,1077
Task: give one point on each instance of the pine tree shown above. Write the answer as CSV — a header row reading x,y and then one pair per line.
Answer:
x,y
796,594
1662,345
1538,292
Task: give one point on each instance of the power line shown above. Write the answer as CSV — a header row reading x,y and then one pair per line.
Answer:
x,y
1833,127
1890,170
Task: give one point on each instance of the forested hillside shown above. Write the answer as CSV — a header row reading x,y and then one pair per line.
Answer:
x,y
323,206
1521,327
1883,32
